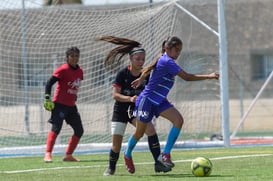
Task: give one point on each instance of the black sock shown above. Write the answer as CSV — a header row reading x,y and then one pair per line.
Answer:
x,y
154,146
113,158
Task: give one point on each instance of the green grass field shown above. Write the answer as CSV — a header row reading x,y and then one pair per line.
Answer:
x,y
240,164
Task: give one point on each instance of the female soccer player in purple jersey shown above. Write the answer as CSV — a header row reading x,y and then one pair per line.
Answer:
x,y
62,106
125,97
153,99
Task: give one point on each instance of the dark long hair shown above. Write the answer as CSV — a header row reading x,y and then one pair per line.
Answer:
x,y
126,46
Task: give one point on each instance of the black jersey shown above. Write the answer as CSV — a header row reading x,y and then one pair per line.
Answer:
x,y
123,80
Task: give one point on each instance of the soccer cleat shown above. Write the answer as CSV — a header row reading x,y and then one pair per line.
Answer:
x,y
159,167
70,158
165,159
109,172
129,165
48,157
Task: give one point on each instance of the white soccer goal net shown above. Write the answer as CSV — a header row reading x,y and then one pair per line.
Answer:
x,y
33,42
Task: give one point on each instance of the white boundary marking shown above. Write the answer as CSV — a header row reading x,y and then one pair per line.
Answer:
x,y
144,163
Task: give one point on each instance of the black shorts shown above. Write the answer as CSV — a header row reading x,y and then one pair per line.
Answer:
x,y
68,113
121,117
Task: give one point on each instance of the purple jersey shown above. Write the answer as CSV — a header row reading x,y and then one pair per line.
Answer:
x,y
161,80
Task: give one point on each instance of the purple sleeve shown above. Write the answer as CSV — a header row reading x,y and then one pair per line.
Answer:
x,y
173,68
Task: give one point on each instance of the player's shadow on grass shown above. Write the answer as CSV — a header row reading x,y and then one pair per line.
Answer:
x,y
160,175
172,175
88,160
186,175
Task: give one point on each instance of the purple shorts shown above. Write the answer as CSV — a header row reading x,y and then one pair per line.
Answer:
x,y
145,110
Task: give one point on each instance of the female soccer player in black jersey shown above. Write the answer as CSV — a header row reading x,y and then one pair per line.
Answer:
x,y
125,97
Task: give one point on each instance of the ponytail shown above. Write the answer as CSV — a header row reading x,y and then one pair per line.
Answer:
x,y
126,46
147,70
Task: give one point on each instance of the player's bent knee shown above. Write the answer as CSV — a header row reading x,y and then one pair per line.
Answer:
x,y
178,123
79,133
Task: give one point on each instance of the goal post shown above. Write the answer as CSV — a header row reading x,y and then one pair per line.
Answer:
x,y
33,46
223,67
221,35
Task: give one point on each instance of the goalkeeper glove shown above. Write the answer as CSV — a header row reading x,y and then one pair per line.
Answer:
x,y
48,104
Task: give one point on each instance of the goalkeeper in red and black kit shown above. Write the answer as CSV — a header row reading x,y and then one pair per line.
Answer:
x,y
68,77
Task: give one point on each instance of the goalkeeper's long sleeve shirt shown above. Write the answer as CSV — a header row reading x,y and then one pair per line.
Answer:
x,y
51,81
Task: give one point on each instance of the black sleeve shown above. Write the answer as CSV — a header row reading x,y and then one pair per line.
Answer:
x,y
119,78
51,81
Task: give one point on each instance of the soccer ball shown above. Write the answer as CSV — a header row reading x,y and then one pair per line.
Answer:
x,y
201,167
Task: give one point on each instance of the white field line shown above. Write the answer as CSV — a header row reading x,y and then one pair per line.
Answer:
x,y
144,163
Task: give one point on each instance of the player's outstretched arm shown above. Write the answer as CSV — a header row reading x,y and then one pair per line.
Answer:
x,y
195,77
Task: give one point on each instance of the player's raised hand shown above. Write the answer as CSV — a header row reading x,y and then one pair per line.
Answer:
x,y
136,83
